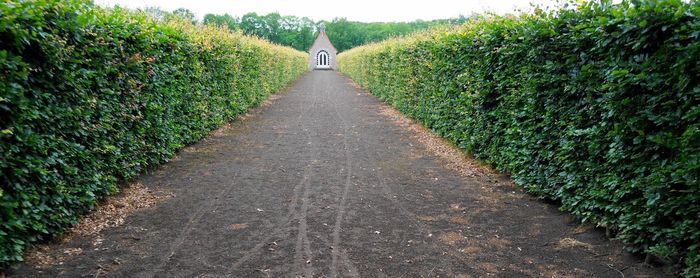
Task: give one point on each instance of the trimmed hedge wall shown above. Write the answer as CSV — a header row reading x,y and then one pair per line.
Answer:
x,y
91,96
597,107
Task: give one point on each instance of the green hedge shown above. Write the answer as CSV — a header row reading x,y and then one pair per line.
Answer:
x,y
597,107
91,96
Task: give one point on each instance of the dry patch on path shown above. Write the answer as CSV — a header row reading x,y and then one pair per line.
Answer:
x,y
507,231
456,159
111,212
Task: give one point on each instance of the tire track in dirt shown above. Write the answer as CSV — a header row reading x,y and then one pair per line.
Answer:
x,y
337,243
300,194
412,217
302,250
343,188
344,257
184,233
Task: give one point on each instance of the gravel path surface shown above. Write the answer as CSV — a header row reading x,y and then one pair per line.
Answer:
x,y
321,183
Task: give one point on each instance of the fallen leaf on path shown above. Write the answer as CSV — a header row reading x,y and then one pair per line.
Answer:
x,y
459,220
238,226
572,243
427,218
451,237
72,251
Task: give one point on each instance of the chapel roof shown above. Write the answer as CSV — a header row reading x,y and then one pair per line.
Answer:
x,y
321,38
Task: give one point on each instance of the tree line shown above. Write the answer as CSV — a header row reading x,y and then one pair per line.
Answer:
x,y
300,32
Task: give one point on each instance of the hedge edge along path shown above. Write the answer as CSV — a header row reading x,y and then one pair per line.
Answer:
x,y
91,96
597,107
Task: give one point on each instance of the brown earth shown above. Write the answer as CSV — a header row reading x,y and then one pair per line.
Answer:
x,y
327,181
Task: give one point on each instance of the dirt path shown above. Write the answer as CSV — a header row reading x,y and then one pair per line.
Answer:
x,y
322,184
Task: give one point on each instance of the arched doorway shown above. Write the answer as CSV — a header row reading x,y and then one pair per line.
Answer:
x,y
322,60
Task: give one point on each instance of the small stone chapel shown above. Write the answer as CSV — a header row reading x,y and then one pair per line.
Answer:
x,y
322,52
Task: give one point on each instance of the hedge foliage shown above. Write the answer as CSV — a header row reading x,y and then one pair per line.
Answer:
x,y
597,107
91,96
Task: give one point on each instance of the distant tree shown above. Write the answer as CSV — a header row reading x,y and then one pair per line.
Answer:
x,y
185,14
296,32
158,13
347,34
306,34
251,24
299,32
272,22
225,20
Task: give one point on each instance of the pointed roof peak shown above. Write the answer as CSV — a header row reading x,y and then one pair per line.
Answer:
x,y
322,39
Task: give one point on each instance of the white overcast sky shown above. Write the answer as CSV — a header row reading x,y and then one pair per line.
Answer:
x,y
357,10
